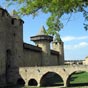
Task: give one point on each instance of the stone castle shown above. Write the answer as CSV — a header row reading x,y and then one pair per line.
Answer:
x,y
14,53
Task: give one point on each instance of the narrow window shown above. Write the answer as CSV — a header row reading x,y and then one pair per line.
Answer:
x,y
12,21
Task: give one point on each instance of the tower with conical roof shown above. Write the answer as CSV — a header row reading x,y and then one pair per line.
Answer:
x,y
57,45
42,40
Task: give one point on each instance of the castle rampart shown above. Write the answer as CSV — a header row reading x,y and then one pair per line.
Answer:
x,y
15,54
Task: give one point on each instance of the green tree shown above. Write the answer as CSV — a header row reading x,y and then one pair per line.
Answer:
x,y
56,8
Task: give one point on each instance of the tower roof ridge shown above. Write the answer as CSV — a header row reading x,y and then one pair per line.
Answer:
x,y
41,31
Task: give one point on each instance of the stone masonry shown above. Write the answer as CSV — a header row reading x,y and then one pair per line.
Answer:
x,y
14,53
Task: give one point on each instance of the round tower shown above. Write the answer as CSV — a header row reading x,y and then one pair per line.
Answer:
x,y
42,40
58,45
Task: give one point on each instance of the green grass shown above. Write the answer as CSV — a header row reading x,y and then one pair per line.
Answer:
x,y
80,78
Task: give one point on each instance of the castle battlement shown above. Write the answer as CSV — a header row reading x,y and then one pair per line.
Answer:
x,y
14,20
3,12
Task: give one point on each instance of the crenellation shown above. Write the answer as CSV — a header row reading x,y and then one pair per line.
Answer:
x,y
5,15
17,22
2,12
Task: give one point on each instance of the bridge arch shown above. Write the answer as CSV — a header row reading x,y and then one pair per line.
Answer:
x,y
68,78
70,75
51,79
20,82
32,82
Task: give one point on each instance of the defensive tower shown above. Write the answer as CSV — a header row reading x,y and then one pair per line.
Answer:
x,y
11,45
42,40
17,25
3,36
57,45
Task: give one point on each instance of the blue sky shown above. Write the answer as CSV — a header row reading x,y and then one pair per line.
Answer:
x,y
73,34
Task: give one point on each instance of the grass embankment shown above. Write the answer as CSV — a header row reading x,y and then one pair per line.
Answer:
x,y
79,79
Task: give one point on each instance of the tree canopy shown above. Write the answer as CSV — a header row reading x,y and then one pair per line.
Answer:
x,y
56,8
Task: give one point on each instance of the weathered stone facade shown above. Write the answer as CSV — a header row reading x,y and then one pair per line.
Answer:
x,y
85,61
15,54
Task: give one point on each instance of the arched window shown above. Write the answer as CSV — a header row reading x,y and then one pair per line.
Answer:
x,y
32,82
12,21
51,79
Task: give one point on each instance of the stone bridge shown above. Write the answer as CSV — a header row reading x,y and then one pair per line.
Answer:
x,y
38,73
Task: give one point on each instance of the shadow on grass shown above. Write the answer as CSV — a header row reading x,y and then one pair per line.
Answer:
x,y
81,72
73,78
78,79
78,84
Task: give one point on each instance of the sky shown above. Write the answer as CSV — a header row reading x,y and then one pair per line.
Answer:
x,y
73,34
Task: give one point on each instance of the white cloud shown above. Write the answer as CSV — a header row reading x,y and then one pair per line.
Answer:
x,y
68,38
81,45
71,38
76,46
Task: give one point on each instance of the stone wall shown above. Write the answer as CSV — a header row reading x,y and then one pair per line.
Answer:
x,y
33,56
11,45
54,58
5,27
85,62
